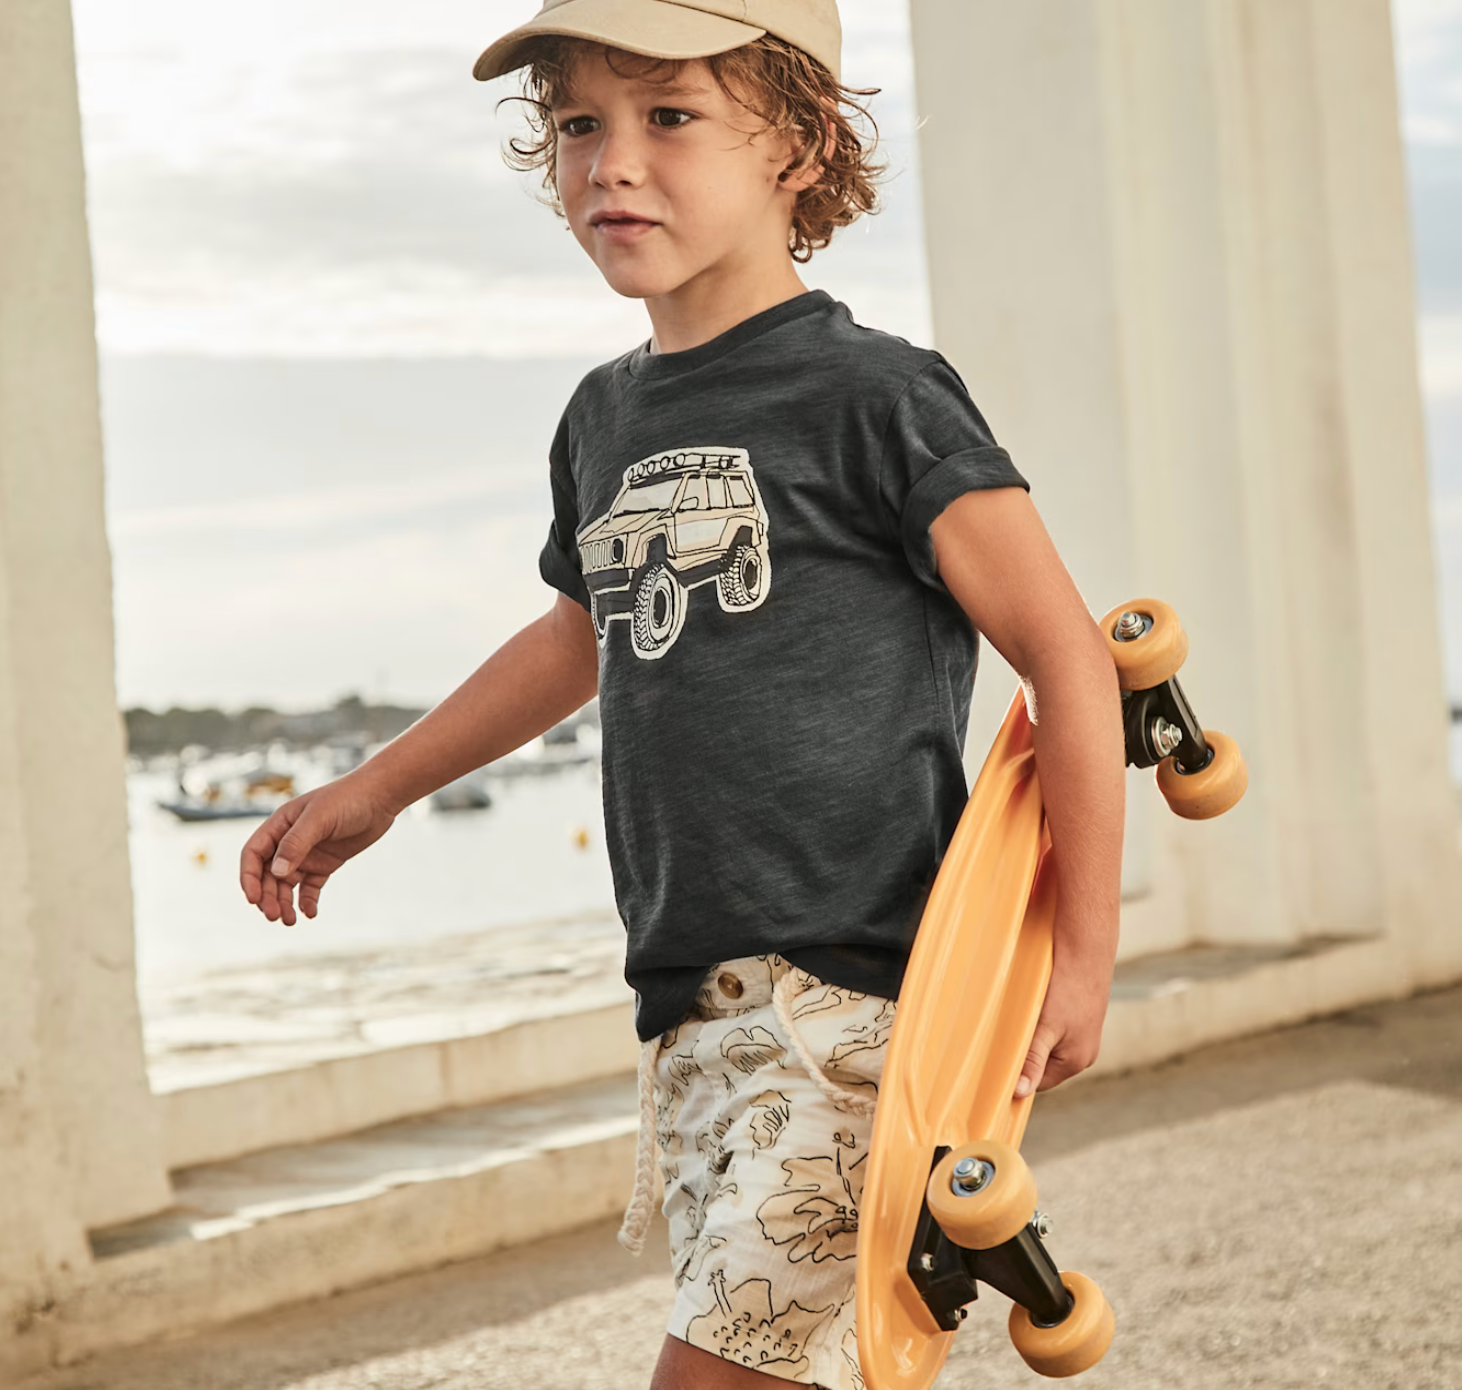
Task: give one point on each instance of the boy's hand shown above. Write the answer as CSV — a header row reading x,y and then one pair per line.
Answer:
x,y
1069,1032
305,841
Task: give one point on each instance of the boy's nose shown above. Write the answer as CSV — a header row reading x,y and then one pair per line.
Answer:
x,y
618,160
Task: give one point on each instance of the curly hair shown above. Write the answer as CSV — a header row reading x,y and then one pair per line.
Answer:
x,y
789,91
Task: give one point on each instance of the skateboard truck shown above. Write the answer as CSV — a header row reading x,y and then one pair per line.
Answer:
x,y
946,1275
1159,723
979,1224
1200,771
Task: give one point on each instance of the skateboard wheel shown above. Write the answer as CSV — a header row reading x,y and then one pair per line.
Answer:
x,y
1076,1343
1157,655
1211,790
998,1210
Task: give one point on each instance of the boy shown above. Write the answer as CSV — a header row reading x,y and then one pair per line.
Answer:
x,y
776,536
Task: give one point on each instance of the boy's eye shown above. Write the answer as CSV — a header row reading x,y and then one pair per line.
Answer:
x,y
666,117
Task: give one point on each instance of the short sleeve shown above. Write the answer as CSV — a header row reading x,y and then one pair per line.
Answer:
x,y
558,562
937,447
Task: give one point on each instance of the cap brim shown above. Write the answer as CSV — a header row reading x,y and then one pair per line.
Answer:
x,y
676,32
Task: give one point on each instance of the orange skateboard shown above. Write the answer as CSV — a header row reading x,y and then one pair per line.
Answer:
x,y
969,1005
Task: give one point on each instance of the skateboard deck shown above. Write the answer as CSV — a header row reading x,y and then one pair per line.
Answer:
x,y
971,998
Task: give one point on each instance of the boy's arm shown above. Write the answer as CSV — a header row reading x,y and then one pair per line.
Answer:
x,y
997,559
538,677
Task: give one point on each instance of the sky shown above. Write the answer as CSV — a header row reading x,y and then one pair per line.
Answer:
x,y
336,334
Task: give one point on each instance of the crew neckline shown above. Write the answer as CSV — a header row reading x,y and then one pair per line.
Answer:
x,y
646,365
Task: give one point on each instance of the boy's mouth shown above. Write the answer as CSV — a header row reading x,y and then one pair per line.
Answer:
x,y
616,218
622,228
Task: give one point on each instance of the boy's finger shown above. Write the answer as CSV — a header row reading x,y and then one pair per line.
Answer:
x,y
295,846
286,901
1035,1064
271,898
1069,1059
310,887
1055,1073
252,857
279,897
258,850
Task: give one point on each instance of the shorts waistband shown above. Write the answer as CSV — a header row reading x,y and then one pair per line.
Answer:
x,y
733,986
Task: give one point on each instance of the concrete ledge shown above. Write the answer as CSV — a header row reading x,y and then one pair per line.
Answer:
x,y
309,1221
1169,1010
223,1120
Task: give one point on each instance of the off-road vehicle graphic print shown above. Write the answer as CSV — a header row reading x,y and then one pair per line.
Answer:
x,y
683,518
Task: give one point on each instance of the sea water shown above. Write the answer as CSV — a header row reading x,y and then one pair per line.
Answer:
x,y
536,854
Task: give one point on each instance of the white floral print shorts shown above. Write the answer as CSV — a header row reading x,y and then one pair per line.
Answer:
x,y
764,1168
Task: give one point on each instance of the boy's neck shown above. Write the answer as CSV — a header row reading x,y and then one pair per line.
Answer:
x,y
680,325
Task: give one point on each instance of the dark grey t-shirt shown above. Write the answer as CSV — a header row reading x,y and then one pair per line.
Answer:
x,y
784,682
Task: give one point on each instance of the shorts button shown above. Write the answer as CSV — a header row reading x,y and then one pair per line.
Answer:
x,y
730,986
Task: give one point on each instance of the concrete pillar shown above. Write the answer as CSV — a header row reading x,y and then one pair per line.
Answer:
x,y
1169,252
81,1143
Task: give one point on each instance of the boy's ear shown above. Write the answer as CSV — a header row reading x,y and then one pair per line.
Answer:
x,y
799,179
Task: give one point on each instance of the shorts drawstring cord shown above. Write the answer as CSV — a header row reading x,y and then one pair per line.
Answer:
x,y
844,1100
637,1214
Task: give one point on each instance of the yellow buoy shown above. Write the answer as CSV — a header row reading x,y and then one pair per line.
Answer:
x,y
581,838
200,856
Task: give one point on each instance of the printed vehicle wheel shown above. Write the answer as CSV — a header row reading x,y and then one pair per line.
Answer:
x,y
1211,790
601,623
1076,1343
742,579
995,1213
659,612
1154,657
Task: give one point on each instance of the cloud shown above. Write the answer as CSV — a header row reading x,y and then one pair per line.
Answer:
x,y
1441,356
290,112
231,622
213,34
1425,30
418,311
1422,129
403,504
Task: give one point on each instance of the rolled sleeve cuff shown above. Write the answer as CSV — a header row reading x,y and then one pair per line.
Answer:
x,y
561,572
973,470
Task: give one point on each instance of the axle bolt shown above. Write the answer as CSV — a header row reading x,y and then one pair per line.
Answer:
x,y
1165,736
926,1263
971,1175
1130,626
1041,1224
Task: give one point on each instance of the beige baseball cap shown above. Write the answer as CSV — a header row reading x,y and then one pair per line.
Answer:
x,y
676,29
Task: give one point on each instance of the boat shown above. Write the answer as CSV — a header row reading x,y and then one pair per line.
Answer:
x,y
467,793
256,795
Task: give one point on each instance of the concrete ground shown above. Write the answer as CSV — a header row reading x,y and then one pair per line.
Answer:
x,y
1285,1211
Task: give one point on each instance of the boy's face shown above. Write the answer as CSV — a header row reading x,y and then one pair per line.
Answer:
x,y
684,162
